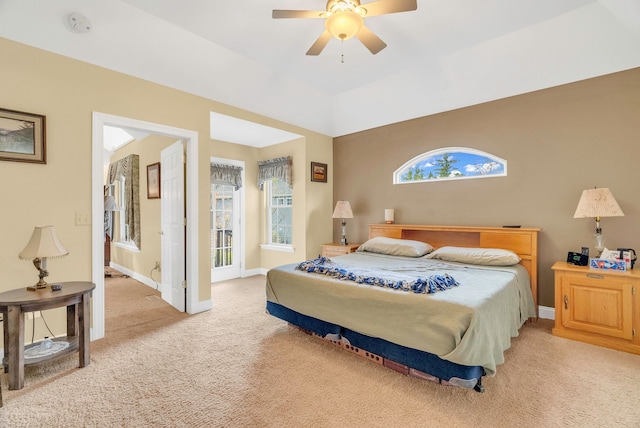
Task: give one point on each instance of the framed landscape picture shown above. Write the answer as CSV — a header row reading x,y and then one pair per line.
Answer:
x,y
22,137
319,172
153,181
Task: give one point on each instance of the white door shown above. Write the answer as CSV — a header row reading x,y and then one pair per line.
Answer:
x,y
225,232
173,225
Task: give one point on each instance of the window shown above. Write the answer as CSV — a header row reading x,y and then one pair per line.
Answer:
x,y
124,233
124,174
279,212
450,163
222,209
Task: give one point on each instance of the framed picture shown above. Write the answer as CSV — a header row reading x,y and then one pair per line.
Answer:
x,y
319,172
153,181
22,137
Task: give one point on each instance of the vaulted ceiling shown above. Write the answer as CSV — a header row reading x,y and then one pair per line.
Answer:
x,y
445,55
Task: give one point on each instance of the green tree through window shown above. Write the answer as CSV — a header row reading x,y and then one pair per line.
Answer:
x,y
450,163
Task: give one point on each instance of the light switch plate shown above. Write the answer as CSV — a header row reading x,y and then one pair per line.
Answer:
x,y
83,219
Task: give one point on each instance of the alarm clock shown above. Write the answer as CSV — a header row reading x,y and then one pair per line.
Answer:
x,y
578,259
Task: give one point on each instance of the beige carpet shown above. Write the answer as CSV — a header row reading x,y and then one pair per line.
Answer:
x,y
235,366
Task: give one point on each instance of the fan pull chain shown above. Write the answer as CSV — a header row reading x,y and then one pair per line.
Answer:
x,y
342,51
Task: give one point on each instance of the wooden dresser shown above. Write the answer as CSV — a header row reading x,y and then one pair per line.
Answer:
x,y
600,307
333,250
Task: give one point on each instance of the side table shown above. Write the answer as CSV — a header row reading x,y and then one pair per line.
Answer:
x,y
14,303
333,249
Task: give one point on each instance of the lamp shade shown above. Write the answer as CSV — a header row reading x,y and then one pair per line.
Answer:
x,y
389,215
43,243
110,204
342,210
597,203
344,25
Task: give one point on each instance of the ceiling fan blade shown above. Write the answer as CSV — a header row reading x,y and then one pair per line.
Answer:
x,y
370,40
276,14
383,7
319,44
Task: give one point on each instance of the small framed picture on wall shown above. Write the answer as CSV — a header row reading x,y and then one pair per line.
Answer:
x,y
153,181
319,172
22,137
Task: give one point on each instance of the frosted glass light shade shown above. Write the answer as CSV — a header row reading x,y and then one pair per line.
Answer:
x,y
344,25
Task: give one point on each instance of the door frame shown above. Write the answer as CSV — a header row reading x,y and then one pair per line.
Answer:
x,y
99,120
241,208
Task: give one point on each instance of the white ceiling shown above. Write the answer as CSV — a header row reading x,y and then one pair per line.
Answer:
x,y
447,54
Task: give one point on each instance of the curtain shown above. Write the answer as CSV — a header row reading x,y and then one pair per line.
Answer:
x,y
226,174
129,168
275,168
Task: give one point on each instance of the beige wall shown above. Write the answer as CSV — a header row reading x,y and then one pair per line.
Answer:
x,y
319,197
312,200
250,155
271,258
557,142
143,261
67,91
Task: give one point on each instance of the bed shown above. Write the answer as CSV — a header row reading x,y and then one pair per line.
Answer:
x,y
386,303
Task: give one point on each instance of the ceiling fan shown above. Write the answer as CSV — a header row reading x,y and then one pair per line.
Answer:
x,y
344,19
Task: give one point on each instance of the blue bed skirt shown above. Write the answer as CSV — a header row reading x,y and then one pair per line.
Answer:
x,y
413,359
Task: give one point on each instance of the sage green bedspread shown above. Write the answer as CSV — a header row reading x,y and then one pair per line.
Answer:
x,y
471,324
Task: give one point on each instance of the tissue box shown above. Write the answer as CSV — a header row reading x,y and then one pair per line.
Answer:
x,y
619,265
626,256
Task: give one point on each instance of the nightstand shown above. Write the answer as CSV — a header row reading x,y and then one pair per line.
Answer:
x,y
601,307
332,250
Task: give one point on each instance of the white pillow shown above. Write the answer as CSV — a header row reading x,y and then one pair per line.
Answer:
x,y
476,256
396,247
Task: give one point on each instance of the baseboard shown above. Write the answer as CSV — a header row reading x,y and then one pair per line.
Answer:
x,y
137,276
546,312
201,306
254,272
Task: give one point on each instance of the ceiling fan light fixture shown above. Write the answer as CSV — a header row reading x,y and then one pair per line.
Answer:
x,y
344,25
344,19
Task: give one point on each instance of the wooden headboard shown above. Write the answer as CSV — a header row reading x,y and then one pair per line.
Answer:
x,y
522,241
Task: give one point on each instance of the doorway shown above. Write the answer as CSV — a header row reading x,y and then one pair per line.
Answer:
x,y
99,121
227,226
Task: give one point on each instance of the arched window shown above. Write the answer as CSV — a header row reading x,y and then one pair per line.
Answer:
x,y
450,163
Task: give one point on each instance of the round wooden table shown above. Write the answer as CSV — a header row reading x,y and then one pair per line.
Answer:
x,y
14,303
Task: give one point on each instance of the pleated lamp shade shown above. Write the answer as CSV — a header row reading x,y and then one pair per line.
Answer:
x,y
597,203
43,243
342,210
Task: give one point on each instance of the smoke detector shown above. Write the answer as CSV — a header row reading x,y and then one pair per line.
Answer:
x,y
79,23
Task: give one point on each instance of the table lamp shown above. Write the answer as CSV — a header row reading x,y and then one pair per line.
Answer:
x,y
43,244
389,215
343,211
596,203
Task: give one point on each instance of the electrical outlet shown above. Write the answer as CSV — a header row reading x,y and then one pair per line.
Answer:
x,y
157,266
83,219
32,315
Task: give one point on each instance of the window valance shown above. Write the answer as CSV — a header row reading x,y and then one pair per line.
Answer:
x,y
280,168
229,175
